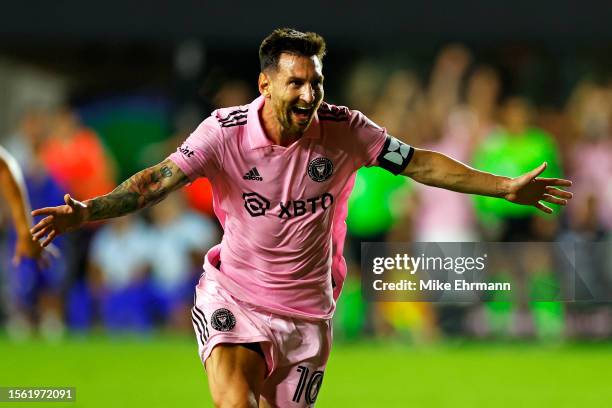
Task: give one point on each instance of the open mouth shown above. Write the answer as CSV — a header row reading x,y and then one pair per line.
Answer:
x,y
302,113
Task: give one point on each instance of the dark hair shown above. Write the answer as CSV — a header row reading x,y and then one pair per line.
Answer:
x,y
290,41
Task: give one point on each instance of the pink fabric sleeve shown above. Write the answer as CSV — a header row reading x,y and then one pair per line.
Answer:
x,y
201,154
368,139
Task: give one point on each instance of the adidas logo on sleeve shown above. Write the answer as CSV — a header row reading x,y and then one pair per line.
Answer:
x,y
253,174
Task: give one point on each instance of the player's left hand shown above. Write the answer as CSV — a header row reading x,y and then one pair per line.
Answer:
x,y
529,189
26,247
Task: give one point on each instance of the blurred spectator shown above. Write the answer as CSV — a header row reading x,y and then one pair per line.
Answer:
x,y
590,161
482,94
76,157
441,215
177,241
445,82
37,288
119,255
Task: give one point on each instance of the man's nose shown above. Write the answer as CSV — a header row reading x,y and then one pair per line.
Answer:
x,y
307,94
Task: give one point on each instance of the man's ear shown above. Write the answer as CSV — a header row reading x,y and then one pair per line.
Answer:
x,y
264,84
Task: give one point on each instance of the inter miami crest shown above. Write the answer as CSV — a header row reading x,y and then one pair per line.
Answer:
x,y
222,320
320,169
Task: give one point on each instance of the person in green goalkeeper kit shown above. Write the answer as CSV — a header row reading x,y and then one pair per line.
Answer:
x,y
512,149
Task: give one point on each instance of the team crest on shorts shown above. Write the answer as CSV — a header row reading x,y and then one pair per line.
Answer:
x,y
222,320
320,169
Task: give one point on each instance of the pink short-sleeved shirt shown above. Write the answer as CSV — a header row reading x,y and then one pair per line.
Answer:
x,y
283,209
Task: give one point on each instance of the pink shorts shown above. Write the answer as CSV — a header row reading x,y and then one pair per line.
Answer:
x,y
295,350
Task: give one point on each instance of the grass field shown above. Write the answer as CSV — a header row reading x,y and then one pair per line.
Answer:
x,y
166,372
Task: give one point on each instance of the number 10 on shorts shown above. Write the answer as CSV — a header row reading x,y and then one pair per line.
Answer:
x,y
310,384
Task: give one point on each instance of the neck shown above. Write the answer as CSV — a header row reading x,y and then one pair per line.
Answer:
x,y
272,128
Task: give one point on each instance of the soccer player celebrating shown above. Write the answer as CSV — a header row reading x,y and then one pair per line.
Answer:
x,y
282,169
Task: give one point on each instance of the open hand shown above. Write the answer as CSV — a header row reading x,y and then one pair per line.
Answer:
x,y
529,189
60,219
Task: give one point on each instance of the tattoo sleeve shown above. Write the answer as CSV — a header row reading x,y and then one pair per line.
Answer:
x,y
146,188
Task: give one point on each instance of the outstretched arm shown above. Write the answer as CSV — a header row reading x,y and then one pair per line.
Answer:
x,y
146,188
438,170
142,190
12,189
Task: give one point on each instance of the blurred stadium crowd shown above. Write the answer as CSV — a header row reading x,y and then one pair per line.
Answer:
x,y
137,273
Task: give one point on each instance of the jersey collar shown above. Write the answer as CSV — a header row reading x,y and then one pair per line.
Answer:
x,y
256,134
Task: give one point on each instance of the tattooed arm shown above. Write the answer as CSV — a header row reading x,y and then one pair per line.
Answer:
x,y
142,190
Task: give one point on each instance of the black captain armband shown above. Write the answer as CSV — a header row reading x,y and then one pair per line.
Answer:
x,y
395,155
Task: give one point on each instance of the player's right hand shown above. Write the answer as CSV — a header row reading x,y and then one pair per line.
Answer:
x,y
60,219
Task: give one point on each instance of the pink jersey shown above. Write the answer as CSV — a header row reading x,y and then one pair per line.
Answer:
x,y
282,209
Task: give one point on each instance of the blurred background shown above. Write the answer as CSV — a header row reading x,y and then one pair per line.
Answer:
x,y
90,94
